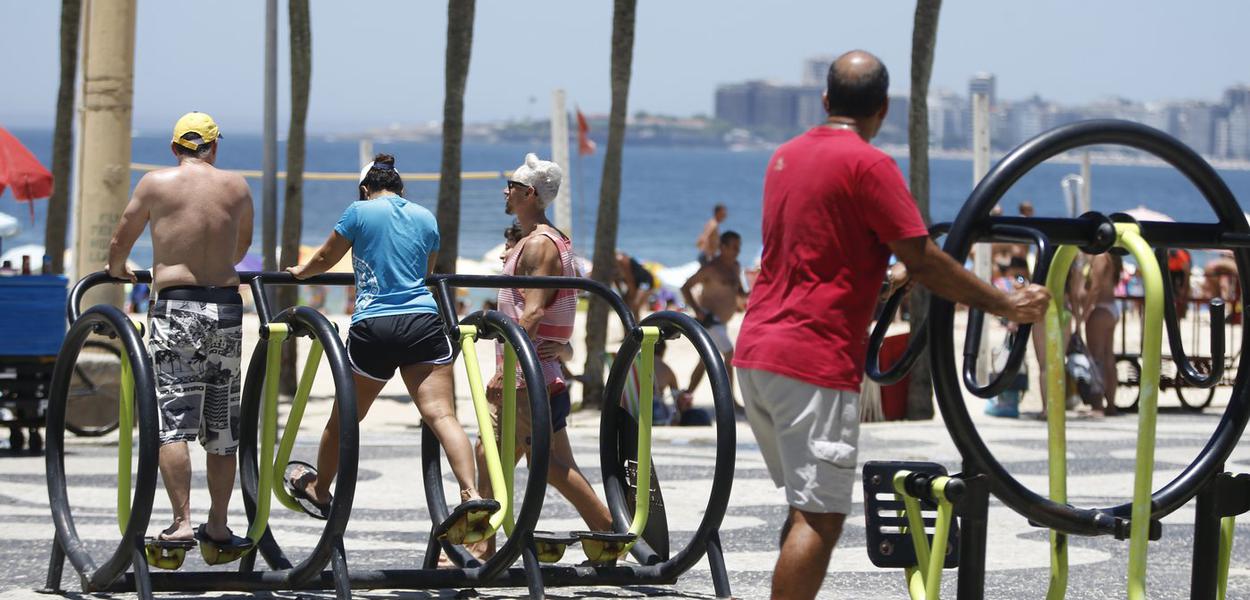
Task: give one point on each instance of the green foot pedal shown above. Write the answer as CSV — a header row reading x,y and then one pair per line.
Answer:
x,y
166,554
604,547
550,546
889,542
220,553
468,523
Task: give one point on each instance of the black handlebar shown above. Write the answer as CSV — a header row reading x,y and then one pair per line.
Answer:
x,y
1184,366
915,344
256,280
1019,339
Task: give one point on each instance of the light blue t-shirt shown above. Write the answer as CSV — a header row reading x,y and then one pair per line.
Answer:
x,y
392,239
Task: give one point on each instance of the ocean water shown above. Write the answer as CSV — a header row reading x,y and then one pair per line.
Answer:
x,y
667,193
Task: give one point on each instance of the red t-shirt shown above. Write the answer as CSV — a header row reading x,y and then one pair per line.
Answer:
x,y
831,204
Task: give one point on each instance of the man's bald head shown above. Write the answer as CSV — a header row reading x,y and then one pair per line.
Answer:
x,y
858,85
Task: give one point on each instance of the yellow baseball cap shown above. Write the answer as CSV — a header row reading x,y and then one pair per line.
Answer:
x,y
199,124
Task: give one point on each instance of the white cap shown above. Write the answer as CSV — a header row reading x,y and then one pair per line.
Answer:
x,y
542,175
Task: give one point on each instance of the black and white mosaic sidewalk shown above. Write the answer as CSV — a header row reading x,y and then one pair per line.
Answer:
x,y
389,524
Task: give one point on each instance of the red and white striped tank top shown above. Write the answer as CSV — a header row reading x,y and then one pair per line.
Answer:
x,y
557,323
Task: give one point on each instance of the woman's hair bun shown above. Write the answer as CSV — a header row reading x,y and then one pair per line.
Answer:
x,y
384,159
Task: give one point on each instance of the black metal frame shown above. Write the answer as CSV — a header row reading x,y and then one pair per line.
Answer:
x,y
651,570
495,572
1203,477
974,221
66,544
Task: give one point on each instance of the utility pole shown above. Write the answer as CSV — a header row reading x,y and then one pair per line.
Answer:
x,y
269,161
560,155
104,172
983,262
1087,183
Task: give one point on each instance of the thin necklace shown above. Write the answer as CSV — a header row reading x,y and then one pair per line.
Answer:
x,y
840,125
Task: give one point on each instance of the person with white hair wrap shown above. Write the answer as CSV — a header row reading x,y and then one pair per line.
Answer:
x,y
547,316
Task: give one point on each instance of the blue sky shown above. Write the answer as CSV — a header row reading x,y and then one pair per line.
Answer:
x,y
380,62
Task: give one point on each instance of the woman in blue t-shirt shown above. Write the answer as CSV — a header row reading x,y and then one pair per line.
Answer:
x,y
395,325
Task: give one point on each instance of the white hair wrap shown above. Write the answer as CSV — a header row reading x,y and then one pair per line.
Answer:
x,y
542,175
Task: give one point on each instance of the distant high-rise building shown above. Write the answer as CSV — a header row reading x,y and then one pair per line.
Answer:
x,y
1237,96
1193,123
816,71
1239,132
778,109
984,83
734,104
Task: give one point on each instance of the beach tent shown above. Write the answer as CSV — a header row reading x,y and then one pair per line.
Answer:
x,y
1141,213
8,226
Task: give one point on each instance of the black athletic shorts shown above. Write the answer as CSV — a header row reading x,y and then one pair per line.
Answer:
x,y
378,345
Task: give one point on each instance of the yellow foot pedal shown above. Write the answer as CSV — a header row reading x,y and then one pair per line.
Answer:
x,y
166,554
218,552
468,523
604,547
550,546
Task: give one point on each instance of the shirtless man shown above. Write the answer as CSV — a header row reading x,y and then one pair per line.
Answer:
x,y
720,298
709,239
201,220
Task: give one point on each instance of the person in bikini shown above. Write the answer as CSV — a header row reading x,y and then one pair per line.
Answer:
x,y
395,326
201,220
1100,311
721,296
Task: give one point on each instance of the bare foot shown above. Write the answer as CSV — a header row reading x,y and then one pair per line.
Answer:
x,y
310,482
218,532
178,532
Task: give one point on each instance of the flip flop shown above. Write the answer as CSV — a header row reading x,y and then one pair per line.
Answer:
x,y
463,525
219,552
296,471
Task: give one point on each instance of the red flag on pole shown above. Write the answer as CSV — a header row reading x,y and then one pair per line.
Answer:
x,y
585,145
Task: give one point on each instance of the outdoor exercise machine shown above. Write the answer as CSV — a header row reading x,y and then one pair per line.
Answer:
x,y
137,404
920,489
625,461
262,472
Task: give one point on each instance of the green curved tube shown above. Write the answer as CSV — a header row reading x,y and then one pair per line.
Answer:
x,y
507,435
925,579
1227,528
646,395
1056,389
1148,409
126,425
291,429
278,333
486,432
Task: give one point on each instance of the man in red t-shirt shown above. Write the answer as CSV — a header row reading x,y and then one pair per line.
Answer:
x,y
835,208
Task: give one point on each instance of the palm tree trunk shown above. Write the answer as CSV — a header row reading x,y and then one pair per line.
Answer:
x,y
456,72
293,198
609,199
923,41
63,137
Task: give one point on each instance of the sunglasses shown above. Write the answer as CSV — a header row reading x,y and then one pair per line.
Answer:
x,y
514,185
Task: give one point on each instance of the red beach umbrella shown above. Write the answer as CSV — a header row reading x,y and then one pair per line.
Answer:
x,y
21,171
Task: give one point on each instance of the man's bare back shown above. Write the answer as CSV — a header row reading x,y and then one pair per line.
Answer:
x,y
201,221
